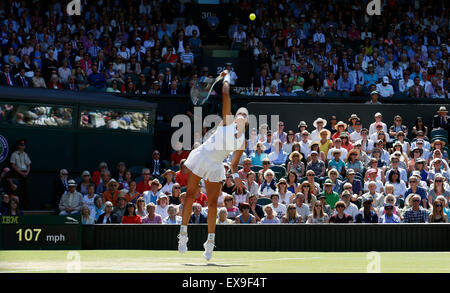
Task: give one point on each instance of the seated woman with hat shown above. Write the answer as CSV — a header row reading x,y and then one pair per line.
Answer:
x,y
162,204
153,194
168,182
295,164
319,124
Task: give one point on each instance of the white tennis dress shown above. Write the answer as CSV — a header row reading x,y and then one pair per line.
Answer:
x,y
206,161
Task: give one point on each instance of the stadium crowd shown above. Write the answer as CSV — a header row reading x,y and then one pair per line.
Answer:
x,y
331,171
293,47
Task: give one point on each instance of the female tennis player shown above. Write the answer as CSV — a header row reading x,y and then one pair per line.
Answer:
x,y
206,161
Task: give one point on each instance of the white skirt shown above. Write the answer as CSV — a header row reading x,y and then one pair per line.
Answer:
x,y
205,168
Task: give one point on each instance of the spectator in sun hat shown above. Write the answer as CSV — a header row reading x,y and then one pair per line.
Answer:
x,y
331,196
71,201
374,194
436,168
119,210
305,143
397,127
378,118
395,165
356,131
153,194
420,144
438,145
372,175
340,127
325,143
441,120
302,126
416,189
437,188
422,183
388,216
337,146
319,124
373,99
112,192
351,123
420,135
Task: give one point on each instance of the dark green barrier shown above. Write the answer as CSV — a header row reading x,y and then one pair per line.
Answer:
x,y
40,232
345,237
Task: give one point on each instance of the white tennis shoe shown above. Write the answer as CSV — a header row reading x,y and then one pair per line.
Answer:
x,y
182,243
209,247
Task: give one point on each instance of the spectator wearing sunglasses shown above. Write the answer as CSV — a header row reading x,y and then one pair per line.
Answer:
x,y
438,188
416,189
389,217
416,213
438,215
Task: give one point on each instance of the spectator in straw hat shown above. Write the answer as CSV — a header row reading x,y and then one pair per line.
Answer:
x,y
153,194
162,204
319,124
337,163
441,120
71,201
437,169
351,123
295,164
112,193
438,145
325,143
337,146
340,127
168,181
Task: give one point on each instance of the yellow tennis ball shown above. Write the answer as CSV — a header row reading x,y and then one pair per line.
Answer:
x,y
252,16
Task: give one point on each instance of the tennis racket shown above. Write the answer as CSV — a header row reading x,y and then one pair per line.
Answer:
x,y
202,89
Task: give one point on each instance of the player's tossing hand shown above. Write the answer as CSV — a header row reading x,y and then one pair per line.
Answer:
x,y
239,185
224,73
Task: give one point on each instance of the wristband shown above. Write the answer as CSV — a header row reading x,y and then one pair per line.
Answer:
x,y
235,175
227,78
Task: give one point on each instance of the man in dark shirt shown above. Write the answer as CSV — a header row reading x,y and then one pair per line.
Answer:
x,y
255,209
96,78
367,215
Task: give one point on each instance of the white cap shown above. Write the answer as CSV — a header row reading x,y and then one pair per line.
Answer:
x,y
242,110
386,79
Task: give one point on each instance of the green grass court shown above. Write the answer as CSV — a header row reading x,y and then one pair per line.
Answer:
x,y
148,261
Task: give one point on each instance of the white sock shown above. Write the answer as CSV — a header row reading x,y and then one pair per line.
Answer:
x,y
211,237
183,229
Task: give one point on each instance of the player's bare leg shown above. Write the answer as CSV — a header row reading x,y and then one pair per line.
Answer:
x,y
192,188
213,190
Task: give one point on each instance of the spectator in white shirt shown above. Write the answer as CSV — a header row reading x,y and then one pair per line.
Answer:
x,y
405,83
385,89
373,128
190,28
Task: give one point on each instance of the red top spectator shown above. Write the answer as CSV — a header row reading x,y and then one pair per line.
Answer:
x,y
181,176
129,216
131,220
201,198
177,156
144,185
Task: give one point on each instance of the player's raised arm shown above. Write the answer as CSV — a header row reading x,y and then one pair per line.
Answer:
x,y
226,101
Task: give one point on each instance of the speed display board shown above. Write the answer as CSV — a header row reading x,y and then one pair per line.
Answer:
x,y
40,232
